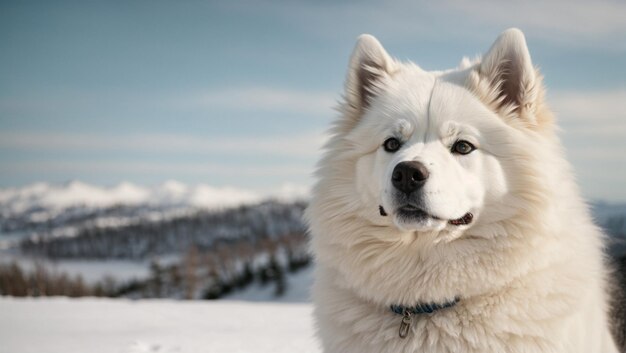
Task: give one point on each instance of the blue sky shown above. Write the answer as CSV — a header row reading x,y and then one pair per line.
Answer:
x,y
240,93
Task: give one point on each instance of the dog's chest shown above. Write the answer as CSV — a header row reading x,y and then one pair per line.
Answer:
x,y
350,324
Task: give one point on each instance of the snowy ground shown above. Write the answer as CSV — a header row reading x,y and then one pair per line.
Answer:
x,y
61,325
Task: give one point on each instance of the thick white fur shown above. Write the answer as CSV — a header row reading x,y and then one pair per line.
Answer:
x,y
529,269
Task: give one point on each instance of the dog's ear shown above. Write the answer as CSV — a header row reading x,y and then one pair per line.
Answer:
x,y
509,71
369,63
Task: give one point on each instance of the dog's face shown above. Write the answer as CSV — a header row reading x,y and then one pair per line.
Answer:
x,y
426,159
430,153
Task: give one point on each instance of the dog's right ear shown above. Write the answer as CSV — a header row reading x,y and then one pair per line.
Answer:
x,y
369,64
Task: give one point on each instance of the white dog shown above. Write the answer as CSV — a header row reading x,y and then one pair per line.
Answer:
x,y
446,219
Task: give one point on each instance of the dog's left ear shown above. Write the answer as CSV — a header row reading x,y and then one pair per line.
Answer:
x,y
511,75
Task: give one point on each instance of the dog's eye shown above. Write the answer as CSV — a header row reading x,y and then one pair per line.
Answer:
x,y
462,147
391,144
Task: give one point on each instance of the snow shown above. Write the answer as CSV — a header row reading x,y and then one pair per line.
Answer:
x,y
208,197
62,325
169,193
290,192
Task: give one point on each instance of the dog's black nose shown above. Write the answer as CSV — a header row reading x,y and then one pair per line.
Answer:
x,y
409,176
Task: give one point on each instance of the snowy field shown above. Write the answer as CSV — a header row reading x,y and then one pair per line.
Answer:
x,y
61,325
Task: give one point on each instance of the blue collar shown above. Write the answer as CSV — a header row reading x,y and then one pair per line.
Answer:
x,y
425,308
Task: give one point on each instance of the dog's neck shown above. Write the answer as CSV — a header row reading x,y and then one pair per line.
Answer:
x,y
423,308
407,313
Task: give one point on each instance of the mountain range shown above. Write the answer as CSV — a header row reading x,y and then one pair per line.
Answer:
x,y
168,194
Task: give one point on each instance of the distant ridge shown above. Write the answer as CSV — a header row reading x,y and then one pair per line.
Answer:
x,y
168,194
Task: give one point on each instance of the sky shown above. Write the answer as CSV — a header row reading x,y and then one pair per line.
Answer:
x,y
240,93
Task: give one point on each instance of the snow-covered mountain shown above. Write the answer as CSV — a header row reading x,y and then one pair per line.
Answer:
x,y
198,241
45,196
62,209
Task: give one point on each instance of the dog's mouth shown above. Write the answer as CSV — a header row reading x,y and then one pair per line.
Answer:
x,y
413,213
466,219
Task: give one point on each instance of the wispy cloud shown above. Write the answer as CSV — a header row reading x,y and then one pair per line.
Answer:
x,y
595,118
579,23
593,128
160,168
590,107
262,99
300,145
573,21
592,115
233,99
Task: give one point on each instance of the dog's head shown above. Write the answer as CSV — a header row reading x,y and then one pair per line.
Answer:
x,y
437,152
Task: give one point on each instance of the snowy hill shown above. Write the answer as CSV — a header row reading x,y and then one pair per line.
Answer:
x,y
169,241
43,196
45,211
60,325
